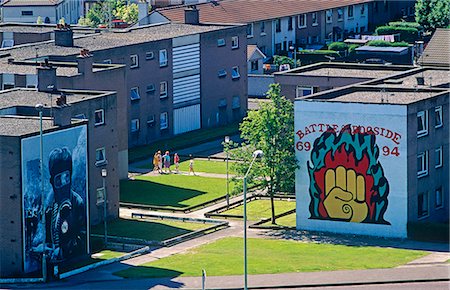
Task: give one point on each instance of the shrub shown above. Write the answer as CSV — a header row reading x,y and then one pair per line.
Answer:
x,y
406,24
352,48
408,34
338,46
387,43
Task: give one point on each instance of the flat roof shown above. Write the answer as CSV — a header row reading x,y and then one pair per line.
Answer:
x,y
432,76
111,39
19,27
19,126
22,97
396,49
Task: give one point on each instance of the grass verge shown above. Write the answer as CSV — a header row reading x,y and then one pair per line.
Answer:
x,y
155,230
224,257
284,221
260,208
200,165
94,258
172,190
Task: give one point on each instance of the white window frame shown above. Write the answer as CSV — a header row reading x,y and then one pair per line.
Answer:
x,y
150,88
426,199
251,30
257,65
80,117
134,61
221,42
102,122
7,43
299,24
340,13
222,73
291,22
262,28
441,160
436,205
422,158
107,61
234,42
149,55
352,10
135,125
163,126
438,110
424,117
316,22
163,58
136,89
363,10
103,161
303,88
276,21
163,93
100,198
329,14
234,70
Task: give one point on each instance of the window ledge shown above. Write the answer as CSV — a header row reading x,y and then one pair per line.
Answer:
x,y
421,134
250,36
422,174
99,124
263,34
101,163
315,24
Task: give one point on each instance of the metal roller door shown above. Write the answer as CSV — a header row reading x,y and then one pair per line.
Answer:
x,y
186,119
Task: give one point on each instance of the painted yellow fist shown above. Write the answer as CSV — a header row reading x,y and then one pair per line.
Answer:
x,y
345,195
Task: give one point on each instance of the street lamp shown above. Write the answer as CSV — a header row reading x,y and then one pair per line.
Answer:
x,y
292,48
105,214
227,141
40,109
51,88
256,154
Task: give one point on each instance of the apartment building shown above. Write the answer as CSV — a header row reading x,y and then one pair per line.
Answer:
x,y
276,26
50,11
80,140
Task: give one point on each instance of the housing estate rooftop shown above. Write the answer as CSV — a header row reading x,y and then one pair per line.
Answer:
x,y
20,125
432,77
31,2
110,39
23,97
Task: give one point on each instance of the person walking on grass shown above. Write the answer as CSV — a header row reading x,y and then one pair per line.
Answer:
x,y
191,165
159,161
176,161
166,158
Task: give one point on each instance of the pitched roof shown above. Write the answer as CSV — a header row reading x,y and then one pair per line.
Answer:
x,y
437,52
31,3
247,11
252,49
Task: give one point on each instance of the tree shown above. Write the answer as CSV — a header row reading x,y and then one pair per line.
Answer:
x,y
270,129
432,14
127,13
39,20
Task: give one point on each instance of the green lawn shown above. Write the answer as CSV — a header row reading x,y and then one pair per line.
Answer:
x,y
201,165
94,258
182,141
260,208
224,257
155,230
172,190
284,221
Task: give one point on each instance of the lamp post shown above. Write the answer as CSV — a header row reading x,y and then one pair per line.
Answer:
x,y
292,48
51,88
227,141
40,109
105,207
256,154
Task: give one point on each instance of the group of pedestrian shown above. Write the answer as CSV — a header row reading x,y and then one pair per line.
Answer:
x,y
162,163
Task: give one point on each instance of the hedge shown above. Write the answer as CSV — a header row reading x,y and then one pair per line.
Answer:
x,y
338,46
322,51
387,43
406,24
408,34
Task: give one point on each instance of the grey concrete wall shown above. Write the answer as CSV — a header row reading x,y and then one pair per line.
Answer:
x,y
10,207
436,176
258,85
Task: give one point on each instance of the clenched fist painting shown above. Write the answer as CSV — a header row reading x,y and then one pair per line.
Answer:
x,y
347,181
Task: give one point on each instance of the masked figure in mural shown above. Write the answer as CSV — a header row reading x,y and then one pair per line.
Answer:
x,y
65,218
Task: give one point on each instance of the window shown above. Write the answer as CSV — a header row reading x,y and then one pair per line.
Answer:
x,y
350,11
100,156
263,28
314,19
221,42
329,15
222,73
422,123
250,30
149,55
7,43
134,61
163,58
150,88
438,117
134,125
254,65
340,14
303,91
236,102
438,157
278,25
422,204
80,117
151,120
290,21
411,11
422,164
234,42
163,121
99,117
27,13
316,39
31,81
438,197
235,73
107,61
162,90
134,94
302,21
100,195
363,9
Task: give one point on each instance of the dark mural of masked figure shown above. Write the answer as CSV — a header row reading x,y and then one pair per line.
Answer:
x,y
66,217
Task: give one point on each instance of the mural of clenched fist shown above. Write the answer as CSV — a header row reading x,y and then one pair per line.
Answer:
x,y
347,181
345,195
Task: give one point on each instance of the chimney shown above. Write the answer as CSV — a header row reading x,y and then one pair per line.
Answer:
x,y
142,9
63,35
61,117
85,62
192,15
46,79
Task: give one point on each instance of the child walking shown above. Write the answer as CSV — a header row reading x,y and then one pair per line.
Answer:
x,y
176,160
191,165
